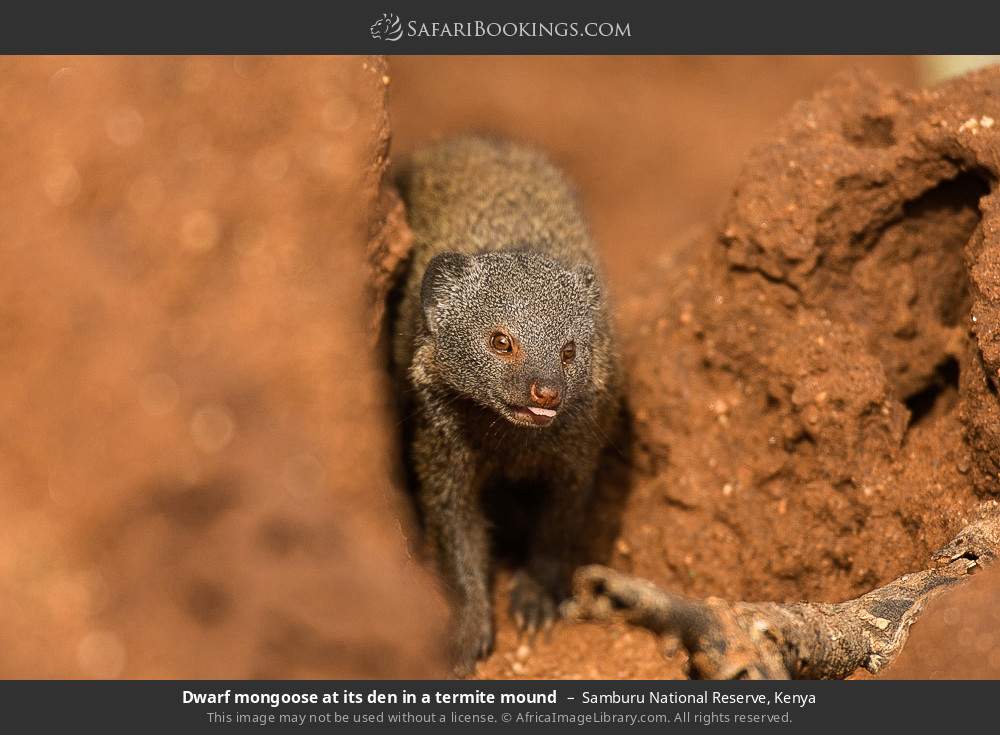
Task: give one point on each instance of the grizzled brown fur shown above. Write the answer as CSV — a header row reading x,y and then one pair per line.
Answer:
x,y
501,247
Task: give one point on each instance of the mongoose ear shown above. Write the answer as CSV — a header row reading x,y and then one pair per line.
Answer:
x,y
443,271
587,277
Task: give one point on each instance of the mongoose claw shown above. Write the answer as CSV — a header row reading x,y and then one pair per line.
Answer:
x,y
472,640
531,606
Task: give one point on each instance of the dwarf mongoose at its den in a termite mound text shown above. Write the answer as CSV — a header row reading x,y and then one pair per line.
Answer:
x,y
503,345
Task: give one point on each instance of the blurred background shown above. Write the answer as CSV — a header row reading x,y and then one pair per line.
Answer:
x,y
654,142
197,473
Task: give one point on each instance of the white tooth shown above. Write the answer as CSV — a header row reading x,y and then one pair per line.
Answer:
x,y
542,411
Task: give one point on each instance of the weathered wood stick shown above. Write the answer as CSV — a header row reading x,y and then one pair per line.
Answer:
x,y
802,640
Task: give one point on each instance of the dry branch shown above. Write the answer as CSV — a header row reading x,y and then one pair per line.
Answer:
x,y
803,640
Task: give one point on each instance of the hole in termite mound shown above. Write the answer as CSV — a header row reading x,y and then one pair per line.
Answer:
x,y
939,223
938,396
916,290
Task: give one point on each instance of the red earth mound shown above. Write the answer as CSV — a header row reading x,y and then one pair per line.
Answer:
x,y
812,395
203,476
196,468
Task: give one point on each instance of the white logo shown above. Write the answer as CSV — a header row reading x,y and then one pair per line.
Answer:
x,y
387,28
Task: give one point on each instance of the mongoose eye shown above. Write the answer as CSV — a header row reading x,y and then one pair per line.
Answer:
x,y
501,343
569,351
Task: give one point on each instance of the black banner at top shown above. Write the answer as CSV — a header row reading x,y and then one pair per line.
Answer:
x,y
512,26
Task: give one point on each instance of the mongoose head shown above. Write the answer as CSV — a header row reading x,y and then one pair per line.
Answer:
x,y
513,330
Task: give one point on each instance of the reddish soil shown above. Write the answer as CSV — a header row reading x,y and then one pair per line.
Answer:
x,y
201,477
812,407
654,142
195,468
957,637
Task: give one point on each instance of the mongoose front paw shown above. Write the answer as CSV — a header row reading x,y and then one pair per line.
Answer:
x,y
472,640
532,607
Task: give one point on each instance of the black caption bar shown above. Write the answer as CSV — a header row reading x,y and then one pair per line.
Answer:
x,y
532,706
513,26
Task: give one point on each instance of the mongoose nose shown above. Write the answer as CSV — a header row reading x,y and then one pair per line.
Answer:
x,y
545,396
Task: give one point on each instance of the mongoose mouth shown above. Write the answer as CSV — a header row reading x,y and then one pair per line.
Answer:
x,y
532,415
